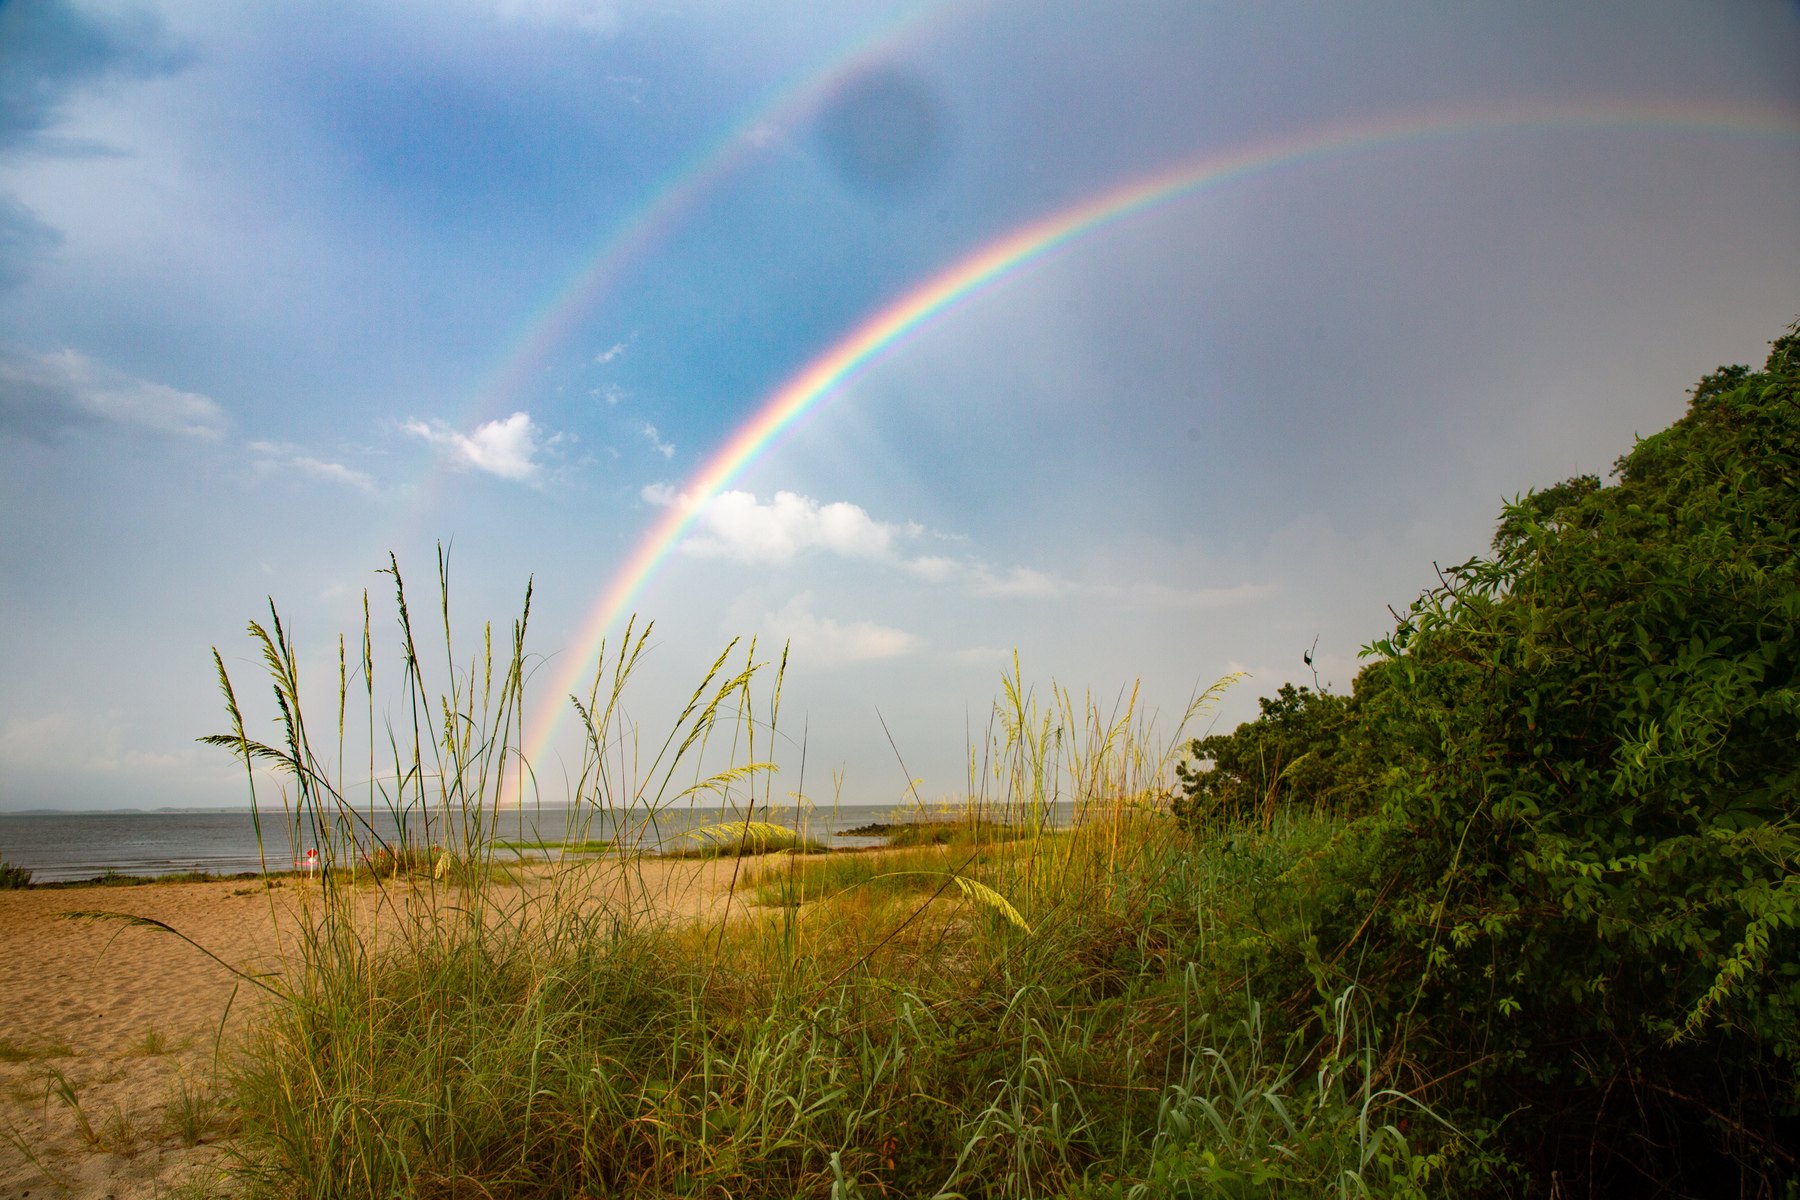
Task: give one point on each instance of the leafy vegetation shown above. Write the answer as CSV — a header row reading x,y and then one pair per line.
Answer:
x,y
970,830
1574,892
1307,748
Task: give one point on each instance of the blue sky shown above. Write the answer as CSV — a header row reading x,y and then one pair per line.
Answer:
x,y
260,267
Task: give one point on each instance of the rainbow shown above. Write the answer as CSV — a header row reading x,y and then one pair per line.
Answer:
x,y
634,235
1011,254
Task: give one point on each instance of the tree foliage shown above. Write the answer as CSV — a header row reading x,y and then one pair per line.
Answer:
x,y
1297,751
1579,884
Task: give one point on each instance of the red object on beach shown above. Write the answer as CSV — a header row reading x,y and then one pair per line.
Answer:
x,y
310,862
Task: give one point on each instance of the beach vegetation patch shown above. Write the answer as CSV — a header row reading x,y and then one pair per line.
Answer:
x,y
11,1051
1517,916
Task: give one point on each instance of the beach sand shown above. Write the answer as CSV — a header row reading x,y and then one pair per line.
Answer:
x,y
79,1001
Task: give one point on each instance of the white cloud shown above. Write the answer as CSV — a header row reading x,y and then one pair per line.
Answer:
x,y
1157,595
666,449
336,473
735,525
508,448
823,642
274,456
767,135
590,16
43,393
661,494
64,741
1020,581
606,356
935,570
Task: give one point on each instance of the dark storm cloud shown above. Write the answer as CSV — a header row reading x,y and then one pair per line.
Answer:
x,y
53,48
43,395
22,238
884,131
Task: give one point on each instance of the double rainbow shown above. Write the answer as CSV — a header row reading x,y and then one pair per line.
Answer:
x,y
661,211
1011,254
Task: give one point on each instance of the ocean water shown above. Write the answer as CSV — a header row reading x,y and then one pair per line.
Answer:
x,y
65,846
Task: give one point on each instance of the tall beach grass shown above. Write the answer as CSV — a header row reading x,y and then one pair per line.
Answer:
x,y
1017,1010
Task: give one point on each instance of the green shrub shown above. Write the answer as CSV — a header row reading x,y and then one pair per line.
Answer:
x,y
1308,748
1588,842
967,831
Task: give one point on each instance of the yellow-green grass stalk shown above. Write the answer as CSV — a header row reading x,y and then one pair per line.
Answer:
x,y
1016,1012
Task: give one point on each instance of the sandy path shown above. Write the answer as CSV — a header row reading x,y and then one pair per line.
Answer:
x,y
80,999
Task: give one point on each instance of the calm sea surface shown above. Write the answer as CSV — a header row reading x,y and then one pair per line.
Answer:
x,y
63,846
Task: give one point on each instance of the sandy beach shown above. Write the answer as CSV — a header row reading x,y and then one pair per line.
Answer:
x,y
129,1017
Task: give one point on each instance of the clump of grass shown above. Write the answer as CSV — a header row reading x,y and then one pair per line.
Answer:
x,y
57,1085
13,877
11,1051
111,878
387,862
965,831
152,1046
119,1131
191,1112
588,846
744,839
921,870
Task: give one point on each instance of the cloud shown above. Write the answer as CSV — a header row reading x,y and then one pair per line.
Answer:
x,y
666,449
273,456
661,494
23,238
606,356
980,656
935,570
43,394
735,525
589,16
1161,596
630,88
62,741
508,448
823,642
1020,581
54,47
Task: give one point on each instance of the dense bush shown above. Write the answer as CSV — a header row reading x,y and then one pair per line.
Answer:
x,y
1317,750
1294,752
1577,897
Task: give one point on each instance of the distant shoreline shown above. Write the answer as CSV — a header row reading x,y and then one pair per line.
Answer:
x,y
116,812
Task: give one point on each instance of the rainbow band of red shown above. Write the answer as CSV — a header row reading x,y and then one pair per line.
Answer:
x,y
1031,243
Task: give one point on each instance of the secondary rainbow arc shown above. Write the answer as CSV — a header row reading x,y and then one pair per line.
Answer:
x,y
631,238
1005,257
